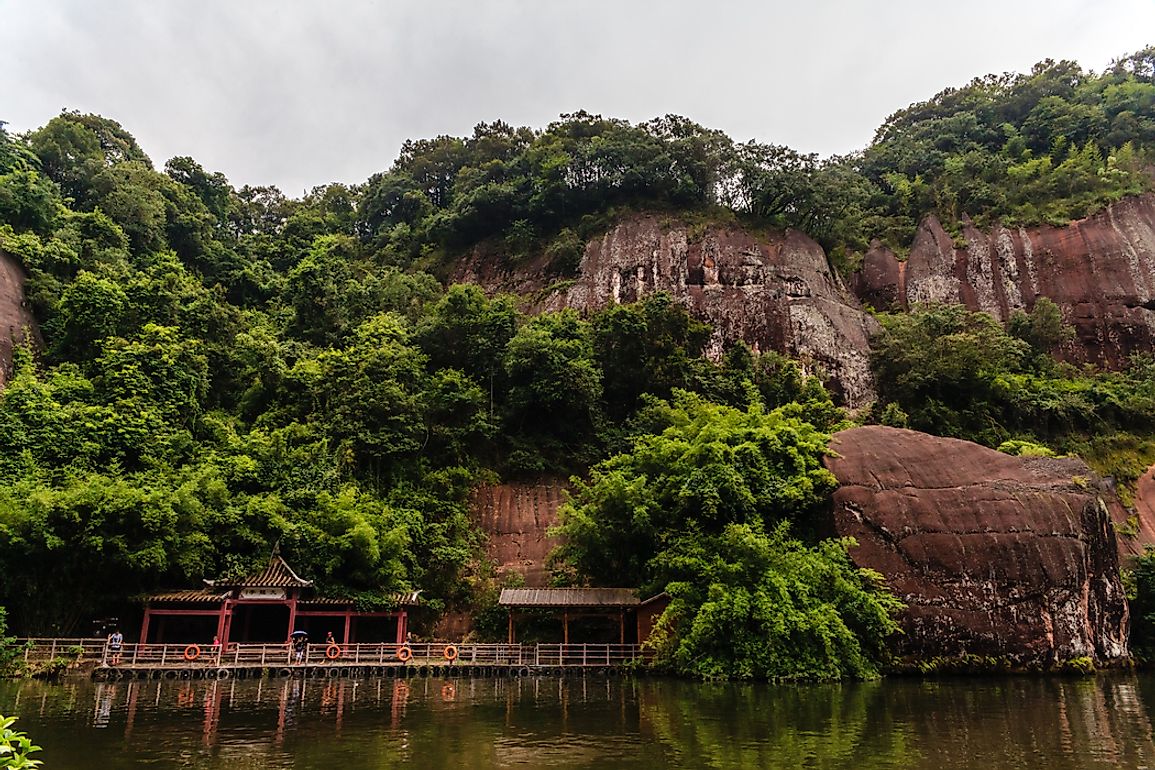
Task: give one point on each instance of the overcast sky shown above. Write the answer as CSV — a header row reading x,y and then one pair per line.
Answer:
x,y
304,93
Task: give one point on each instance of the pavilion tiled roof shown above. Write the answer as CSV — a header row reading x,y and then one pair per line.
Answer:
x,y
568,597
398,599
277,574
191,595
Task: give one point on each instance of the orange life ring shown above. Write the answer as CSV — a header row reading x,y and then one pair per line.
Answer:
x,y
448,693
192,652
450,652
404,654
333,651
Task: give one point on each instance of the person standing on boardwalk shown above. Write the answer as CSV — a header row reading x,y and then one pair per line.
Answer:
x,y
300,642
115,642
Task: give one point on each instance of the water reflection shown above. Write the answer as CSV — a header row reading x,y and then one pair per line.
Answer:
x,y
589,722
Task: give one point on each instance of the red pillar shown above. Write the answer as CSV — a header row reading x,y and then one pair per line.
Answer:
x,y
144,626
292,616
222,621
348,623
228,625
400,626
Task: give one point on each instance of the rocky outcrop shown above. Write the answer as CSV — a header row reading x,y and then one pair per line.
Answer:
x,y
1099,270
517,518
775,292
15,317
1139,526
996,556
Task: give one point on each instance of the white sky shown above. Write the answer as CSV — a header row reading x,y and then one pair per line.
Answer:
x,y
303,93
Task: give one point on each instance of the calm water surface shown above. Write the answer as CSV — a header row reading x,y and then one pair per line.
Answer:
x,y
1056,723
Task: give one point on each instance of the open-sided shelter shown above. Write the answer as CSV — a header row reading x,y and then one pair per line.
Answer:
x,y
621,604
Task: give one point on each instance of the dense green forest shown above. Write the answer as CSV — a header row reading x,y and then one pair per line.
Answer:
x,y
222,369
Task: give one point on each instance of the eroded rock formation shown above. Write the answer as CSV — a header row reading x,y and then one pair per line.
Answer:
x,y
1099,270
996,556
517,518
775,293
15,317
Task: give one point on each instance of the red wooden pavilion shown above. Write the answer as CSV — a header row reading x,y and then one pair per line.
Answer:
x,y
266,607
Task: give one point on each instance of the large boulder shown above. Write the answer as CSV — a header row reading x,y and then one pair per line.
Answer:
x,y
1004,560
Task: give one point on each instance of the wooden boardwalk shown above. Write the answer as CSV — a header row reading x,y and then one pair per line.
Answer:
x,y
193,661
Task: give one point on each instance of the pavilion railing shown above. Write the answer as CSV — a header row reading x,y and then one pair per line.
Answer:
x,y
36,650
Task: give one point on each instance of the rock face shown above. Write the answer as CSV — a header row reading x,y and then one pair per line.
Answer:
x,y
1099,270
517,518
995,556
15,316
1142,526
775,293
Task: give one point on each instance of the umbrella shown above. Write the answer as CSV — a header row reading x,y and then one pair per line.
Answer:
x,y
299,633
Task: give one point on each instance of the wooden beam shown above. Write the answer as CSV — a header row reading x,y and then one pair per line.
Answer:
x,y
201,613
565,626
510,638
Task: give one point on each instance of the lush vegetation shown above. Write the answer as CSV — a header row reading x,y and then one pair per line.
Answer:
x,y
1141,593
221,369
701,507
16,748
948,371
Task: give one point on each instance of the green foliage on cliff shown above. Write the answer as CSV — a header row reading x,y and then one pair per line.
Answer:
x,y
1051,145
953,372
1141,593
702,508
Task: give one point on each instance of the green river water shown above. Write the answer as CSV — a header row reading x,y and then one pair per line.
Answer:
x,y
590,722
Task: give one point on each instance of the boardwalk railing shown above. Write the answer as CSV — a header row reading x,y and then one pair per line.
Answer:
x,y
375,653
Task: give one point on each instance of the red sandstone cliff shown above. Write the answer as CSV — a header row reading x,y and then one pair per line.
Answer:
x,y
775,293
15,317
516,518
995,556
1100,271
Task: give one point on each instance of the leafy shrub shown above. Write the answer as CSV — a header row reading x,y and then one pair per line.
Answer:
x,y
16,748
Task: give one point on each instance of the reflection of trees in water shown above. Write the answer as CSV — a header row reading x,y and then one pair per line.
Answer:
x,y
597,722
744,725
1024,722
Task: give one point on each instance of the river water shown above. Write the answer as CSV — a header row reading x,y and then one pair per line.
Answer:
x,y
590,722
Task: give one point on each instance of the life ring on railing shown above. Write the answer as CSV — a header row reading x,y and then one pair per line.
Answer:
x,y
448,693
333,651
450,652
192,652
404,654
